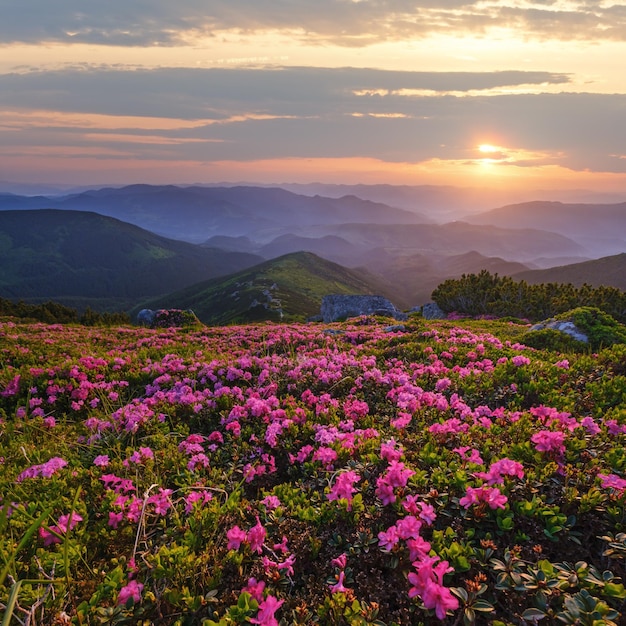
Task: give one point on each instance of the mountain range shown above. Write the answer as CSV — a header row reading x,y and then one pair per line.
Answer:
x,y
279,251
194,214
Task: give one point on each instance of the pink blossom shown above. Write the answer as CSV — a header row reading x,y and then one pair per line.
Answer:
x,y
12,387
45,470
236,537
270,502
427,582
384,491
499,469
418,548
549,441
194,497
344,487
590,426
389,538
402,421
391,451
341,561
101,461
256,537
440,598
612,481
408,527
161,501
489,495
131,591
255,589
115,519
339,586
267,608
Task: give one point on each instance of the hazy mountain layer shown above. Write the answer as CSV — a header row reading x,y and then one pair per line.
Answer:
x,y
600,228
196,213
609,271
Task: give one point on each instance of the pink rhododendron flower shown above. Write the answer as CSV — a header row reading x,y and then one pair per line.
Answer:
x,y
344,487
341,561
501,468
45,470
236,537
256,537
255,589
490,495
60,528
115,519
196,497
549,441
339,586
612,481
267,608
130,591
427,582
408,527
271,502
389,538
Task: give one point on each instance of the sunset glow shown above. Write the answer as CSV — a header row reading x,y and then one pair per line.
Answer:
x,y
361,90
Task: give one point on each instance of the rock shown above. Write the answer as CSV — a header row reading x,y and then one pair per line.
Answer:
x,y
145,317
396,328
167,318
564,326
340,307
431,311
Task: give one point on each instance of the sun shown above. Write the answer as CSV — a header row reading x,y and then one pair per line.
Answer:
x,y
487,148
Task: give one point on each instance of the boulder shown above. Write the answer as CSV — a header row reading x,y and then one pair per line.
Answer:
x,y
145,317
431,311
340,307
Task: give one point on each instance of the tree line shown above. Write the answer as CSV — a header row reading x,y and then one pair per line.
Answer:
x,y
501,296
56,313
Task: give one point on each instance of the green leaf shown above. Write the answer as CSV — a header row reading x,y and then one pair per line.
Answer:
x,y
533,615
483,606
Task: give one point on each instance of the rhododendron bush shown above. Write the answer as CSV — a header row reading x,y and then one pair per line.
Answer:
x,y
354,474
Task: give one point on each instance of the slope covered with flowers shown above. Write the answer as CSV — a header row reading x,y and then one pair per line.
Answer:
x,y
302,474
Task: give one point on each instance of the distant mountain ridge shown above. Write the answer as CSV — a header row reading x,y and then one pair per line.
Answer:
x,y
194,214
600,228
609,271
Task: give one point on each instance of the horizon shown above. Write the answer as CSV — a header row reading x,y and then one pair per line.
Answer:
x,y
505,95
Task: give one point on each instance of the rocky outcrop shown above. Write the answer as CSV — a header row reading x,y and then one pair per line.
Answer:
x,y
564,326
167,318
340,307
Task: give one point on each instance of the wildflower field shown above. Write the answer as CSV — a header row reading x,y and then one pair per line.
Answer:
x,y
353,473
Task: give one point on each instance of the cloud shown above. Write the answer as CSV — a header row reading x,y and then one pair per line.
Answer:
x,y
343,22
219,93
243,115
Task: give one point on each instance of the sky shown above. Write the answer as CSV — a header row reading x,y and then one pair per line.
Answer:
x,y
510,94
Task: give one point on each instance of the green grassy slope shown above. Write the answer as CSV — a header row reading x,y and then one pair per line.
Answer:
x,y
76,256
290,287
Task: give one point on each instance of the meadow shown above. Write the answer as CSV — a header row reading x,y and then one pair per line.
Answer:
x,y
346,474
